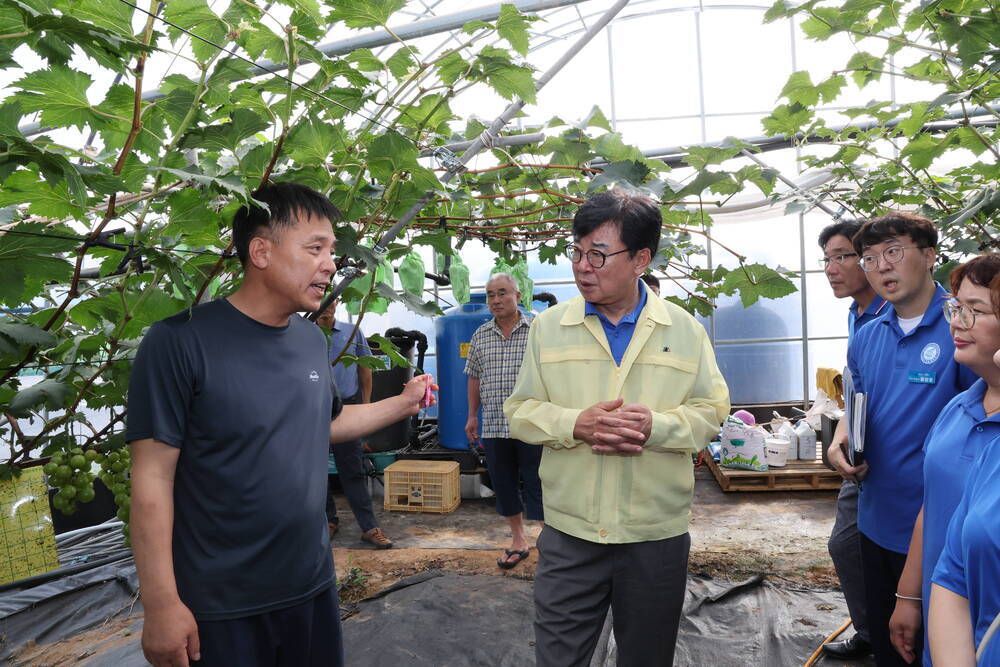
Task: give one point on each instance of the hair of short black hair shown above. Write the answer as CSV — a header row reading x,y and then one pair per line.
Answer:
x,y
845,228
284,202
637,218
898,223
650,280
979,271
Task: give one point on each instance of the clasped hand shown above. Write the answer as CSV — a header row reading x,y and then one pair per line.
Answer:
x,y
610,427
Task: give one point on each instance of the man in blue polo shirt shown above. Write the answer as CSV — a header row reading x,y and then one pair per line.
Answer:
x,y
903,362
354,382
842,267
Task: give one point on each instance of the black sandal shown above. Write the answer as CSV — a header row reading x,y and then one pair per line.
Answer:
x,y
507,564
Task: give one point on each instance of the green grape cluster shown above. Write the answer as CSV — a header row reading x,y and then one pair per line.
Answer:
x,y
69,471
115,468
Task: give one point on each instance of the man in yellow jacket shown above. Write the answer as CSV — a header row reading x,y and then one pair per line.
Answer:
x,y
621,388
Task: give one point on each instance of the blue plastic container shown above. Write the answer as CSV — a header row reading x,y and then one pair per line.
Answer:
x,y
453,332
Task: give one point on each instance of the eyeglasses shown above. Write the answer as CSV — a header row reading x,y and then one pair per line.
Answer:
x,y
892,255
966,316
836,259
595,257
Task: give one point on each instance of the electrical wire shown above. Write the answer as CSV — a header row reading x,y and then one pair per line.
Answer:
x,y
60,364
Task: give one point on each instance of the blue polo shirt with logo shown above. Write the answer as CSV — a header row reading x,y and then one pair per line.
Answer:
x,y
908,380
970,561
961,432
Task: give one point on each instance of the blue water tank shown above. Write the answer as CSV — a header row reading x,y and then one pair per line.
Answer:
x,y
453,332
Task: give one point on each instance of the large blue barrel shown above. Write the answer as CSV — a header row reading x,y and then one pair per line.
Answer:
x,y
453,332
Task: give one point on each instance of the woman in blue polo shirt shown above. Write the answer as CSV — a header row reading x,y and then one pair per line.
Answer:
x,y
965,596
967,425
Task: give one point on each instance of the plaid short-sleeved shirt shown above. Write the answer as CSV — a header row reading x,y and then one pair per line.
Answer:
x,y
495,360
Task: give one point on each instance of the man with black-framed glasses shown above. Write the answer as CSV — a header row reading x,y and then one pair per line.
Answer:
x,y
620,388
903,361
842,267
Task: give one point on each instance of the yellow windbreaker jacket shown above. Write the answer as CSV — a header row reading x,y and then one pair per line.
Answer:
x,y
668,366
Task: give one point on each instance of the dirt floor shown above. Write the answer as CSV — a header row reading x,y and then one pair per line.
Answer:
x,y
781,534
115,633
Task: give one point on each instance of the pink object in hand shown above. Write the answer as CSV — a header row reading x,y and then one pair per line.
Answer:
x,y
426,403
745,417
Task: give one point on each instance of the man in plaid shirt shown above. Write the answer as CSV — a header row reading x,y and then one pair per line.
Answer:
x,y
495,355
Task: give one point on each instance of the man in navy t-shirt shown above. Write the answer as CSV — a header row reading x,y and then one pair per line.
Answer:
x,y
903,361
232,407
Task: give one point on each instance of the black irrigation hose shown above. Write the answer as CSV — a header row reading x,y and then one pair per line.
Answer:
x,y
547,297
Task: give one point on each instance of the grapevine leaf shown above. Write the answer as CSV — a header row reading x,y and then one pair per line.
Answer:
x,y
115,16
23,335
755,281
197,17
365,13
48,392
226,136
512,26
60,94
451,67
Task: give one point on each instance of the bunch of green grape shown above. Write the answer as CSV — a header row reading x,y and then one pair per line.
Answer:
x,y
115,468
69,472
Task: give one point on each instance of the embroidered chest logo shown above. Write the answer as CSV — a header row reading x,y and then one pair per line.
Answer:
x,y
314,376
930,353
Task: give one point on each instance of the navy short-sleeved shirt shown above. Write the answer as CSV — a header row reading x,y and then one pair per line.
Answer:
x,y
249,406
908,378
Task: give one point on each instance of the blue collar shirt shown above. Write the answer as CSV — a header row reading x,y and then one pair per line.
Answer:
x,y
619,335
855,321
970,561
346,377
908,380
959,434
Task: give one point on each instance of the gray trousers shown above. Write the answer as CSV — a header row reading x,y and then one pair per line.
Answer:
x,y
576,581
349,457
845,550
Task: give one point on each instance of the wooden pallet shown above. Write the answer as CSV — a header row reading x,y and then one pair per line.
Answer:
x,y
795,476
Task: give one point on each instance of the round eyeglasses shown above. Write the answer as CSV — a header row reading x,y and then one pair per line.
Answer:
x,y
595,257
892,255
839,258
966,316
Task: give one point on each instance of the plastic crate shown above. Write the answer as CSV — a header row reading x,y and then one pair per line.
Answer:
x,y
422,486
